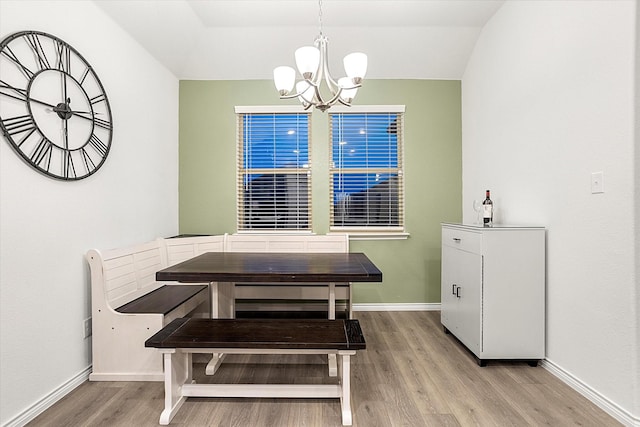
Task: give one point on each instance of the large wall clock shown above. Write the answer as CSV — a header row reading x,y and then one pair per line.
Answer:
x,y
53,108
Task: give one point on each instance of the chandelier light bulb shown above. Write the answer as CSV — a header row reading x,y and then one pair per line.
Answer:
x,y
308,61
284,78
348,92
355,65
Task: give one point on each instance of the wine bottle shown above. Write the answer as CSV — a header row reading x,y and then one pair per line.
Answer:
x,y
487,210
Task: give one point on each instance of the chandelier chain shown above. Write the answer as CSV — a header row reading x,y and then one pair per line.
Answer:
x,y
320,15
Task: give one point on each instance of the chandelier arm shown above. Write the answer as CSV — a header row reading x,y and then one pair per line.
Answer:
x,y
323,68
290,96
355,86
318,96
313,83
336,97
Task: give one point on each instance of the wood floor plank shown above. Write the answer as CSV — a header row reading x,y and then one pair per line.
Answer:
x,y
411,374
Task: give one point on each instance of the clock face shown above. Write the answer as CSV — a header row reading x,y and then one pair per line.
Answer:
x,y
53,109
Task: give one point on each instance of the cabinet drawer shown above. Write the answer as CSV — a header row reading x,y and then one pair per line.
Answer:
x,y
462,239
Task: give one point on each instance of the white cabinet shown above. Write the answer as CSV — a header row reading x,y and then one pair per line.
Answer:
x,y
493,290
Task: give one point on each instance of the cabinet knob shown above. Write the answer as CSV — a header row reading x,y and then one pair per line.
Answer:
x,y
457,239
453,289
458,292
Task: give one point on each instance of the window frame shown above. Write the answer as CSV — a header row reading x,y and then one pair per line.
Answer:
x,y
240,113
365,232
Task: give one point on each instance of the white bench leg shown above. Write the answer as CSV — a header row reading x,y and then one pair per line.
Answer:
x,y
177,372
345,388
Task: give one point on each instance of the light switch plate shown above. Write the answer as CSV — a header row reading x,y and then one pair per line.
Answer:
x,y
597,183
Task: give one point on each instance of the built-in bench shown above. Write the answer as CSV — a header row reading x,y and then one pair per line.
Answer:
x,y
182,337
128,304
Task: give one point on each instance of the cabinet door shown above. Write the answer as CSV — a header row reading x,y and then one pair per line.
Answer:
x,y
448,299
469,293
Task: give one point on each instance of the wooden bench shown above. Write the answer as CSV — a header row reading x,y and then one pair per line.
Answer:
x,y
128,305
182,337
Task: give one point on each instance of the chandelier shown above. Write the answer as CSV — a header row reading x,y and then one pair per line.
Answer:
x,y
313,65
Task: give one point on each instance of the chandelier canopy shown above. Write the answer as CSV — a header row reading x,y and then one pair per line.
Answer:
x,y
313,66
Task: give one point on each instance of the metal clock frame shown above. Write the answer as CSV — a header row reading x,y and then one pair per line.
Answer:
x,y
51,53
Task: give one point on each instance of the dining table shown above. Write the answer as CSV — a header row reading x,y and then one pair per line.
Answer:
x,y
223,270
269,268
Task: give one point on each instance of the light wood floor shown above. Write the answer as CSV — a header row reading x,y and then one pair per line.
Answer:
x,y
411,374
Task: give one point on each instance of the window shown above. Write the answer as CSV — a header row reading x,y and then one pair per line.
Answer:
x,y
366,180
274,180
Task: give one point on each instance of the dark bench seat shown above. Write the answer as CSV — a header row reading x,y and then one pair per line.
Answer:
x,y
184,336
162,300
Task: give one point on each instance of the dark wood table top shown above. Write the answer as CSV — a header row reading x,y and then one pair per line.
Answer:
x,y
273,267
260,334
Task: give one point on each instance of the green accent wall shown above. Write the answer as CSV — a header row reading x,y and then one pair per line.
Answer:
x,y
432,168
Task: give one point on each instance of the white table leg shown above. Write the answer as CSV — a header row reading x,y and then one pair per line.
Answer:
x,y
350,306
333,365
214,363
226,301
331,299
177,372
223,300
214,299
222,295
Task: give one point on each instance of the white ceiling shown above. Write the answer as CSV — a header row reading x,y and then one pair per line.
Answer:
x,y
246,39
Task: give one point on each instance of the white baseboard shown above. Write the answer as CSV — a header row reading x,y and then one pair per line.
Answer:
x,y
623,416
46,402
409,306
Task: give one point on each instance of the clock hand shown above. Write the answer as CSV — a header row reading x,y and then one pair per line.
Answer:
x,y
66,135
58,109
40,102
64,88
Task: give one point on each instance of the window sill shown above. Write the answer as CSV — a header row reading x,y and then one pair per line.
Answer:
x,y
374,235
282,232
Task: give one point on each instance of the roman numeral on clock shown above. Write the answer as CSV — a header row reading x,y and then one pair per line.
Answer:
x,y
18,124
64,57
98,145
41,156
13,92
34,42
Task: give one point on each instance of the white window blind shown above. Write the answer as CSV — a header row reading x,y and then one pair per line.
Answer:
x,y
366,177
273,180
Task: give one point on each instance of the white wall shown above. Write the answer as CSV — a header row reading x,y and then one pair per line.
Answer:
x,y
548,98
46,226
